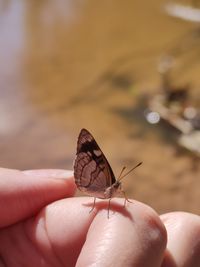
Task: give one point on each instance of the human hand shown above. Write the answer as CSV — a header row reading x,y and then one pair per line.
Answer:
x,y
40,228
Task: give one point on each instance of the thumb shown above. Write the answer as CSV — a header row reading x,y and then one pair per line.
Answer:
x,y
23,194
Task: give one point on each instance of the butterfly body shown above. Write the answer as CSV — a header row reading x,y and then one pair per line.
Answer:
x,y
110,192
113,191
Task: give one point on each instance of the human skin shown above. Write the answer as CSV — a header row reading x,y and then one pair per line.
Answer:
x,y
43,224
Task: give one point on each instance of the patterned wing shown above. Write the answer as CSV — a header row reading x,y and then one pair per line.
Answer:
x,y
92,171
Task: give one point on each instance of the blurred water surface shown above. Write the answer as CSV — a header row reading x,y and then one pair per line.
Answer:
x,y
65,65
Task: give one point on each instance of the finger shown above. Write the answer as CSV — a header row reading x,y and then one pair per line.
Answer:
x,y
133,236
22,194
183,248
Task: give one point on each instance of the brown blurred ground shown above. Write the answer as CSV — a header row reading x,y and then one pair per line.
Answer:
x,y
65,65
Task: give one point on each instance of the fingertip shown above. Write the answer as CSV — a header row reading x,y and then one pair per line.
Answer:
x,y
25,193
183,231
141,237
58,174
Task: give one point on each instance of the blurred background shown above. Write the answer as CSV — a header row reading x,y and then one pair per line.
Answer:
x,y
72,64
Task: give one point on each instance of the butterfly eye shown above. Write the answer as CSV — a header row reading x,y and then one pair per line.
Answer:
x,y
117,185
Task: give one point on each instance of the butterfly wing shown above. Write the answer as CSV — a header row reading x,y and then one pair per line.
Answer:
x,y
92,171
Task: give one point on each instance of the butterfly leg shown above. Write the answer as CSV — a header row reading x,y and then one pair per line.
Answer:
x,y
109,207
93,205
125,198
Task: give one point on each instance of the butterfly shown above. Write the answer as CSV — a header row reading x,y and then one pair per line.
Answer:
x,y
93,173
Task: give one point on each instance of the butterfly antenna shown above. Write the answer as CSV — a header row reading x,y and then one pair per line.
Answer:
x,y
122,176
123,169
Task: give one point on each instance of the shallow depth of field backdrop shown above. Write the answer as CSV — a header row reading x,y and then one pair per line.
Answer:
x,y
65,65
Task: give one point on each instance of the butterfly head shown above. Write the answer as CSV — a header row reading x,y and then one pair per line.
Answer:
x,y
113,190
117,185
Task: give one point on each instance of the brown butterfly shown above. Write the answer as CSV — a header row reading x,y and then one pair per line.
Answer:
x,y
92,172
